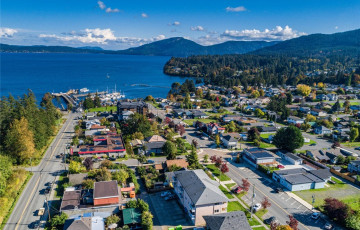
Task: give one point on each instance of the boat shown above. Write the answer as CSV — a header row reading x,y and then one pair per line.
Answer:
x,y
84,90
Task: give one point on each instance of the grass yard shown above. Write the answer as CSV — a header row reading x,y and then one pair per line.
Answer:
x,y
261,213
226,192
190,121
351,144
311,142
340,190
229,186
259,228
104,109
266,135
266,145
218,173
235,206
253,222
63,181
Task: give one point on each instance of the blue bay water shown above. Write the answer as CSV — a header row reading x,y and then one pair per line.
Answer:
x,y
136,76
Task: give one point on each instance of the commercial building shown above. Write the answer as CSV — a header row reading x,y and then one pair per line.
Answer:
x,y
135,107
255,156
111,145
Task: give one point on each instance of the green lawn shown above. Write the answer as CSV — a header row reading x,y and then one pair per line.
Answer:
x,y
351,144
226,192
218,173
266,135
190,121
311,142
59,190
229,186
259,228
253,222
340,190
103,109
261,213
266,145
235,206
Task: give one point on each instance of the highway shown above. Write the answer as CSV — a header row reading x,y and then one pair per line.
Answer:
x,y
33,197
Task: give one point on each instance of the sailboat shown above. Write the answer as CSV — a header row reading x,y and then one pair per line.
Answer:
x,y
107,76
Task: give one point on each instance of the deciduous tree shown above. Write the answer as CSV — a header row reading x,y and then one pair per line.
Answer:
x,y
293,223
303,89
265,202
289,138
169,150
245,185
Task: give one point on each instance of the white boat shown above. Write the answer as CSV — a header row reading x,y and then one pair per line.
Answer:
x,y
84,90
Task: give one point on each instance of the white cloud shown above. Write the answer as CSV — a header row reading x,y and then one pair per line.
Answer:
x,y
176,23
197,28
98,36
7,32
235,9
109,10
144,15
336,27
276,34
101,5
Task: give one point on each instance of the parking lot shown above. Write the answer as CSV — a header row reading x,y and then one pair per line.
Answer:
x,y
169,213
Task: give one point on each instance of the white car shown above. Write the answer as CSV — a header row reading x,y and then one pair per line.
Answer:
x,y
328,226
315,215
256,207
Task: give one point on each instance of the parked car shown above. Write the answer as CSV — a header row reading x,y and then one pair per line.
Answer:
x,y
165,193
328,226
112,158
357,148
47,190
237,190
315,215
150,162
313,144
170,197
256,207
279,190
35,224
281,166
271,220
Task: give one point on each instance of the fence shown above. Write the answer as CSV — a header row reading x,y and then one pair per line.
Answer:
x,y
342,175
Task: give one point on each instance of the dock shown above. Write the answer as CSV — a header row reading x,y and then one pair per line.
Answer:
x,y
68,99
85,94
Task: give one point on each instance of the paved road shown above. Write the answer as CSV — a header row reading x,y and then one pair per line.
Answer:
x,y
282,204
33,197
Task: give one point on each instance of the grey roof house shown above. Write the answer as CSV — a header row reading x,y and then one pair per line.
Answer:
x,y
198,194
227,221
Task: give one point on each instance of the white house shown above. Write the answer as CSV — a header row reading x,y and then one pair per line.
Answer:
x,y
229,141
295,120
321,130
255,156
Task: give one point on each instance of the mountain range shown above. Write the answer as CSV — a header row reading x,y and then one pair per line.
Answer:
x,y
309,45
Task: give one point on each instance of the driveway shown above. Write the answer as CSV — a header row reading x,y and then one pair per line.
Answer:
x,y
168,213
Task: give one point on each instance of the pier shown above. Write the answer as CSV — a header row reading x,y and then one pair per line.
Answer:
x,y
85,94
68,99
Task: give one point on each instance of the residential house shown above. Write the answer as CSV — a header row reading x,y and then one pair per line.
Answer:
x,y
135,107
305,110
300,179
255,156
106,193
332,97
322,97
214,128
154,147
179,112
198,194
318,112
321,130
90,115
231,117
126,115
155,138
290,157
269,129
86,222
197,114
229,141
295,120
227,221
354,166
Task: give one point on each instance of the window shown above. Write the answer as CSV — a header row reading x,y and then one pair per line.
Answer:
x,y
217,210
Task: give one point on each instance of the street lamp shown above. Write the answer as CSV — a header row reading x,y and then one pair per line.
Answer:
x,y
252,202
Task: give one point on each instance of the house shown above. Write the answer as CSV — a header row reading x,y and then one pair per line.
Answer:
x,y
322,97
214,128
321,130
227,221
135,107
197,114
295,120
106,193
269,129
298,179
136,143
255,156
86,222
332,97
318,112
179,112
231,117
155,138
305,110
126,115
154,147
290,157
182,163
229,141
354,166
110,144
131,217
198,194
90,115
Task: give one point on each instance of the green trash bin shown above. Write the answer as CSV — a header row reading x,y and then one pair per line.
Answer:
x,y
179,227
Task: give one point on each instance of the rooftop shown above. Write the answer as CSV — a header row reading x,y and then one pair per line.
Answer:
x,y
131,216
104,189
228,221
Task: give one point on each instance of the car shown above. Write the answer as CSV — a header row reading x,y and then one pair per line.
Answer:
x,y
357,148
35,224
112,158
315,215
271,220
256,207
49,184
237,190
279,190
280,166
170,197
47,190
328,226
165,193
150,162
313,144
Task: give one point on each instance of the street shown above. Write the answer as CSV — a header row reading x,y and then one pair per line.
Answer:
x,y
33,197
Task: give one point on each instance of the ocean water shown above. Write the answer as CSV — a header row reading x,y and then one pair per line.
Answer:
x,y
136,76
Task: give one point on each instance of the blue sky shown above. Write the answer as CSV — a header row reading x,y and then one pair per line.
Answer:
x,y
116,24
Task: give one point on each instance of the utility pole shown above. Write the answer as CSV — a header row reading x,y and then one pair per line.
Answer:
x,y
47,205
252,202
313,201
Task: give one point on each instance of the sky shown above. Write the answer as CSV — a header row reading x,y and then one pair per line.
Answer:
x,y
119,24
